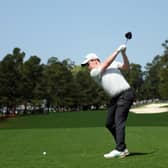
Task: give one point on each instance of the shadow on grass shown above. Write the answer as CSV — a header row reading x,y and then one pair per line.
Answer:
x,y
140,153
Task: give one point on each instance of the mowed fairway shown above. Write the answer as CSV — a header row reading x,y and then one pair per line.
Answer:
x,y
79,140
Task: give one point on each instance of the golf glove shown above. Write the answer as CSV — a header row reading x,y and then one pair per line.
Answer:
x,y
121,47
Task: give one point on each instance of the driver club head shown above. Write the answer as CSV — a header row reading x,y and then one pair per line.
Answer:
x,y
128,36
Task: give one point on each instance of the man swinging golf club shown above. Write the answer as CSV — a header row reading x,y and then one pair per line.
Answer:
x,y
108,75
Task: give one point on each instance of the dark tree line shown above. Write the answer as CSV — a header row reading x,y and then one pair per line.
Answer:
x,y
30,86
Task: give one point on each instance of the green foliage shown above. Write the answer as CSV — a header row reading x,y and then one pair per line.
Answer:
x,y
65,86
11,78
151,83
163,77
156,76
135,78
58,85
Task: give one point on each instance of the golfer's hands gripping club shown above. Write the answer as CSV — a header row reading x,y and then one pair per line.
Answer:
x,y
121,48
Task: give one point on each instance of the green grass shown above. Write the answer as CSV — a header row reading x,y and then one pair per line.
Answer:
x,y
80,119
79,140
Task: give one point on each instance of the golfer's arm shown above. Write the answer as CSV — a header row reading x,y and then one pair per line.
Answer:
x,y
109,60
125,65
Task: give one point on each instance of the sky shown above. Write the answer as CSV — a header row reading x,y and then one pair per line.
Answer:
x,y
73,28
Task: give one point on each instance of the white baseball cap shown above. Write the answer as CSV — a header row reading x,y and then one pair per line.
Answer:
x,y
89,57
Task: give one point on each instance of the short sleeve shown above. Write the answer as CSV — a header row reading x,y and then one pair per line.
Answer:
x,y
96,74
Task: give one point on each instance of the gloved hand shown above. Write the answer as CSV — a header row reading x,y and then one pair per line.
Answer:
x,y
121,47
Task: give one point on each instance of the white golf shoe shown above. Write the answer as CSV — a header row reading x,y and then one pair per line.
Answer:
x,y
115,153
126,152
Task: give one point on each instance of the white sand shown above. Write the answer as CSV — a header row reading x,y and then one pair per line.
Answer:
x,y
151,108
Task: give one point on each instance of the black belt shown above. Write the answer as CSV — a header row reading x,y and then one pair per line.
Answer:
x,y
122,92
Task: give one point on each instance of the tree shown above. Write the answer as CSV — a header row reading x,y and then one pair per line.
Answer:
x,y
58,85
32,80
151,78
135,78
68,63
163,73
52,60
11,79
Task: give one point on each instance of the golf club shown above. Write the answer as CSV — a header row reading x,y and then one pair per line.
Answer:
x,y
128,36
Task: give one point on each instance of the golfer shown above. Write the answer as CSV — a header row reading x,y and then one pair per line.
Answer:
x,y
108,75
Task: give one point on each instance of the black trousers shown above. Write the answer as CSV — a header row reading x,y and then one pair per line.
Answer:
x,y
117,115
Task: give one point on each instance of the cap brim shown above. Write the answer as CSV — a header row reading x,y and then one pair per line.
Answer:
x,y
84,63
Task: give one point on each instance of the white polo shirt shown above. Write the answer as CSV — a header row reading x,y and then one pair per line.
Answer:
x,y
111,79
